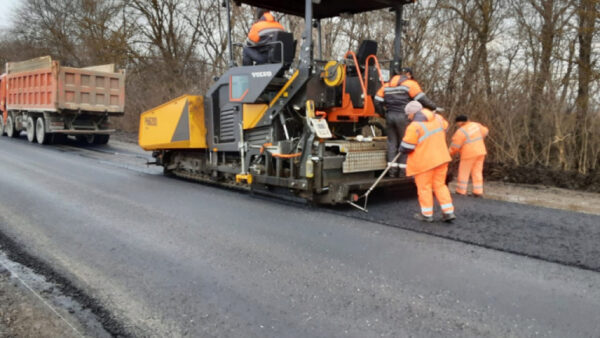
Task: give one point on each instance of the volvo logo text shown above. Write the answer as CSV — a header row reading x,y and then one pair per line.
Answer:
x,y
262,74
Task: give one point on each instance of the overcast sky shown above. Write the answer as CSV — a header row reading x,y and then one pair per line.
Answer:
x,y
7,9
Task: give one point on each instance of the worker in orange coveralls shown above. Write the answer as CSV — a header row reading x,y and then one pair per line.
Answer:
x,y
468,140
428,158
260,34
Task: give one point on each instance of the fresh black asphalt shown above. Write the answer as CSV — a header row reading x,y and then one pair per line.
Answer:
x,y
564,237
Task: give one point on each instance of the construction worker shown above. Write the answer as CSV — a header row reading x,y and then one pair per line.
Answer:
x,y
261,33
469,141
428,158
390,100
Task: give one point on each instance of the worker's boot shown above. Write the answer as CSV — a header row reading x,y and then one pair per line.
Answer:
x,y
423,218
449,217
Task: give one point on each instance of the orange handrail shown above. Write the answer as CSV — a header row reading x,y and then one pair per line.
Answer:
x,y
360,78
377,66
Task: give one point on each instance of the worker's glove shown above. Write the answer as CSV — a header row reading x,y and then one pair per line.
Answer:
x,y
439,110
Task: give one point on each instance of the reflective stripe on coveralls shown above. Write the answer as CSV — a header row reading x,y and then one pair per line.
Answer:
x,y
468,139
429,133
461,186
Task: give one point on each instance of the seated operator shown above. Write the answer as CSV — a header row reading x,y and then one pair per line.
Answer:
x,y
261,33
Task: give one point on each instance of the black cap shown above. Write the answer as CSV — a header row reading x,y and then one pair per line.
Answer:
x,y
260,12
461,118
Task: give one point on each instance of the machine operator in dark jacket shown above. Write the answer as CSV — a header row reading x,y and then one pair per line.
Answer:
x,y
390,100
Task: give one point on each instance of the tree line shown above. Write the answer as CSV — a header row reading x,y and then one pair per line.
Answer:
x,y
529,69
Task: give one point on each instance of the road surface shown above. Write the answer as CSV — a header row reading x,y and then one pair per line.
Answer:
x,y
171,258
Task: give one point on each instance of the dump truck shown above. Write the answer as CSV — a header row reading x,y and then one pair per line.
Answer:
x,y
50,102
296,126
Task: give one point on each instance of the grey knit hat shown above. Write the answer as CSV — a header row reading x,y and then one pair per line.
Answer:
x,y
413,107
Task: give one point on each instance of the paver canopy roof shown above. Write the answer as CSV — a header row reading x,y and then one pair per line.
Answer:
x,y
326,8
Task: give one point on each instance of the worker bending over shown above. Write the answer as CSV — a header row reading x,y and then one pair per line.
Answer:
x,y
261,33
390,100
428,158
468,140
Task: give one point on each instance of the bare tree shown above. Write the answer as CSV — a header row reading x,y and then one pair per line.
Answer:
x,y
170,29
587,15
552,15
483,18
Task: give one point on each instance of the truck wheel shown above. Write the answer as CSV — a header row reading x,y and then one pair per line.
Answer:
x,y
41,135
11,131
101,139
30,128
2,132
86,139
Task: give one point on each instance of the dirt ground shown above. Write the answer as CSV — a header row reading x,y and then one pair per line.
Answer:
x,y
571,179
22,314
37,302
543,196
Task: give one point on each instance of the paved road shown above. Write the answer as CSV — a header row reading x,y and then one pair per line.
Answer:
x,y
171,258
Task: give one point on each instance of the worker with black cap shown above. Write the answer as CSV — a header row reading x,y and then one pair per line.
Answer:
x,y
391,99
261,33
469,142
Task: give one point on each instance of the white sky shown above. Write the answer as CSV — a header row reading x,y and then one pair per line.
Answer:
x,y
7,10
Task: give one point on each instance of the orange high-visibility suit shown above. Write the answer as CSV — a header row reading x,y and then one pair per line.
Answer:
x,y
468,140
428,158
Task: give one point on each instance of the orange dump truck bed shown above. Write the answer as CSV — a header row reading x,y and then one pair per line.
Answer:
x,y
44,85
2,99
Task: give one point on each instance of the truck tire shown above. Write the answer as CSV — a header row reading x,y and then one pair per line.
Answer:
x,y
2,132
41,135
30,128
11,131
101,138
85,139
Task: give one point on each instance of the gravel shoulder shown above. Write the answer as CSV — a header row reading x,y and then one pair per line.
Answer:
x,y
544,196
32,306
22,314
